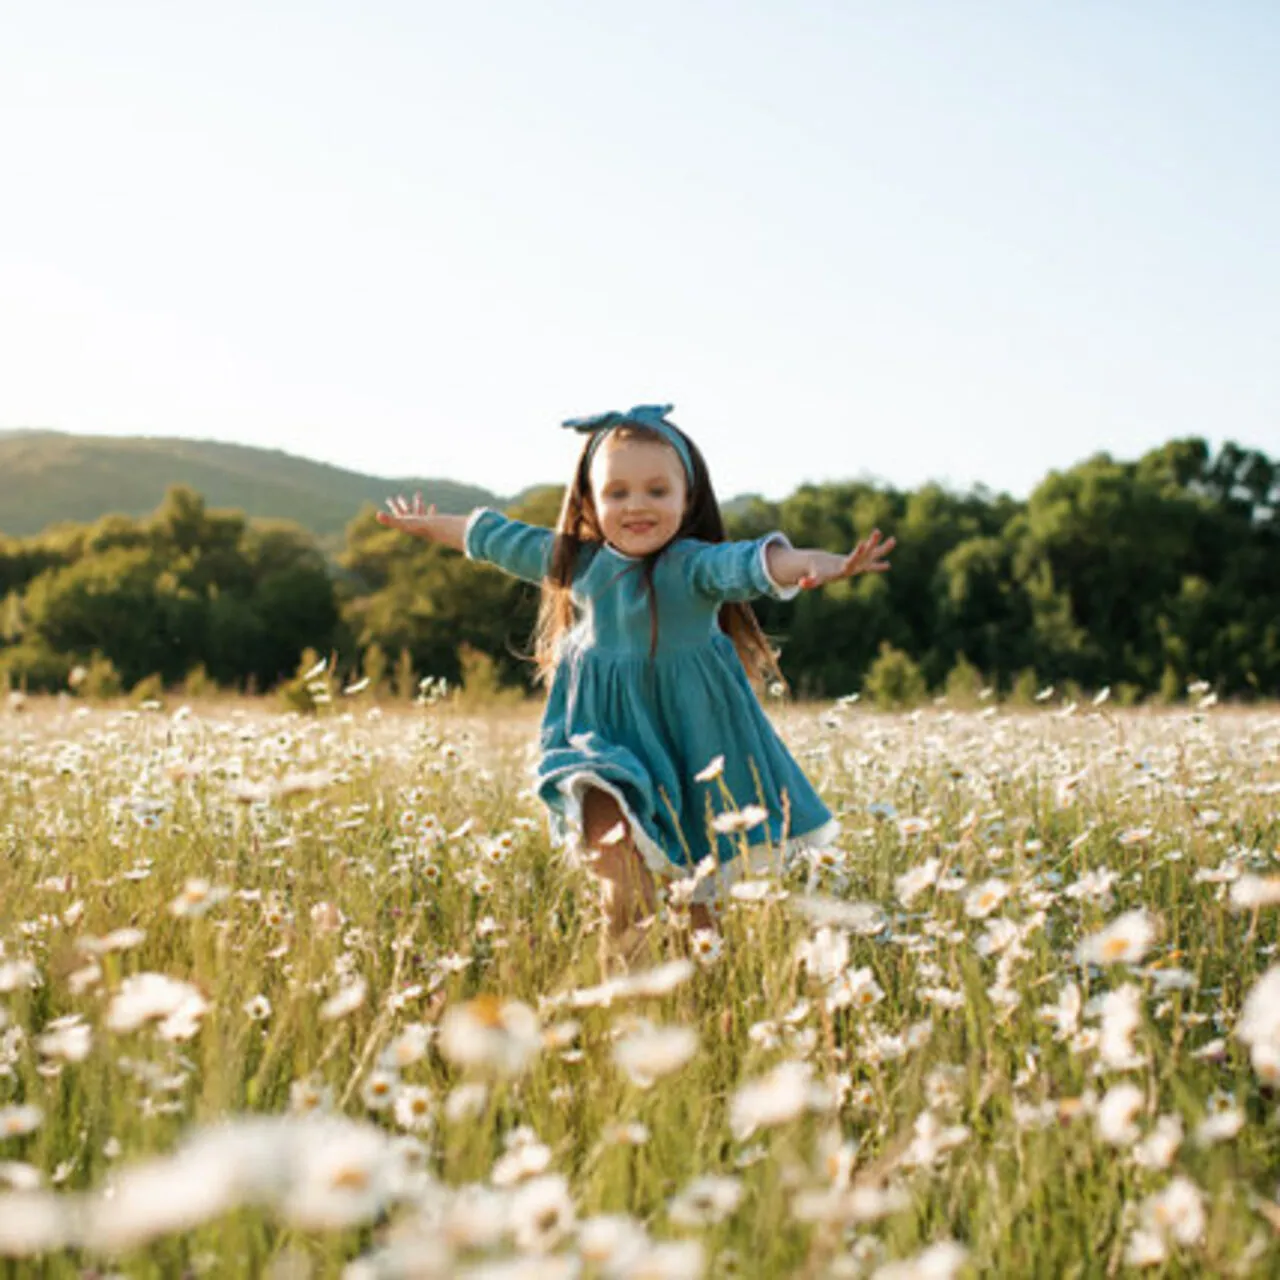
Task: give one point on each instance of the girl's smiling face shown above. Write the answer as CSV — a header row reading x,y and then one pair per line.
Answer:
x,y
638,488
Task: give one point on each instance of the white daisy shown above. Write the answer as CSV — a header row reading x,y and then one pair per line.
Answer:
x,y
705,1201
18,1120
1126,939
776,1098
649,1052
488,1033
1116,1113
744,819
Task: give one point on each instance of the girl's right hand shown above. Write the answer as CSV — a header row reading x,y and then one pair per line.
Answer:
x,y
408,517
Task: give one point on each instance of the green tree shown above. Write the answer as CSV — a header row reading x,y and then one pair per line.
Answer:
x,y
894,679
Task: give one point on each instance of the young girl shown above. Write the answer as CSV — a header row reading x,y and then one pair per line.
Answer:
x,y
654,745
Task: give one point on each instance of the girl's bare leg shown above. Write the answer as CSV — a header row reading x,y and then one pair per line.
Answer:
x,y
700,917
629,884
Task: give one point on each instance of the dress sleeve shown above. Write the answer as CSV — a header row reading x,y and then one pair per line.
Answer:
x,y
522,550
724,571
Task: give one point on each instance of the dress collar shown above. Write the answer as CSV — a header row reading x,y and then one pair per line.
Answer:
x,y
622,555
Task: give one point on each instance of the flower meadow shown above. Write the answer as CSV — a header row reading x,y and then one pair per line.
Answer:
x,y
313,995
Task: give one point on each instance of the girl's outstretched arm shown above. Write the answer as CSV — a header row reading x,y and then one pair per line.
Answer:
x,y
423,522
809,567
522,550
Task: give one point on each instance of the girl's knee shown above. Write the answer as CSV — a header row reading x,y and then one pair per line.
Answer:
x,y
702,918
601,814
615,859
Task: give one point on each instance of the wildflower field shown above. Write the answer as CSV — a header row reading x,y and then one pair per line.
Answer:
x,y
313,995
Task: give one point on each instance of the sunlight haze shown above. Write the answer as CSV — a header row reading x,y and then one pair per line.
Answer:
x,y
958,241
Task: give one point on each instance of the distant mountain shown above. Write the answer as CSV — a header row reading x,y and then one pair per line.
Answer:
x,y
49,476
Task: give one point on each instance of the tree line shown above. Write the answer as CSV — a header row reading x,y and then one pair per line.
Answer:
x,y
1142,576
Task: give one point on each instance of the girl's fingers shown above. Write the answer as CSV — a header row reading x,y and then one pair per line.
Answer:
x,y
400,510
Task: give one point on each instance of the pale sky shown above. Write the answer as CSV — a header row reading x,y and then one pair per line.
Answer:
x,y
957,240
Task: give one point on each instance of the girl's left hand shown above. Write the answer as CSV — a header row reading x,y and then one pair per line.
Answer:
x,y
867,557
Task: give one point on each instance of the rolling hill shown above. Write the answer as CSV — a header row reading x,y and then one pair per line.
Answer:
x,y
50,476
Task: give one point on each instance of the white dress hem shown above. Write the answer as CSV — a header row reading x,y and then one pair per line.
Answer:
x,y
759,858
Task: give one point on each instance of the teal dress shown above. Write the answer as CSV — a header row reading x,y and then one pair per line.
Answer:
x,y
642,729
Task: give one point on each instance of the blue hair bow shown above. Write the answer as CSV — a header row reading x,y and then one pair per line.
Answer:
x,y
653,416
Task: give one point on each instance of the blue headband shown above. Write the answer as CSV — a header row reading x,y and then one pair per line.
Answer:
x,y
653,416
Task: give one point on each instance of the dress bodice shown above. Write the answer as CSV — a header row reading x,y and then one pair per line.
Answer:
x,y
691,580
615,610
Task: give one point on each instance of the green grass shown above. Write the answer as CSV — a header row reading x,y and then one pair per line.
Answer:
x,y
105,816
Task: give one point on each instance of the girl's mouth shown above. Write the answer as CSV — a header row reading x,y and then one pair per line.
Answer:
x,y
646,526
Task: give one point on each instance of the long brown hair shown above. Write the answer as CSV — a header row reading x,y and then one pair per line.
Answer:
x,y
578,526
